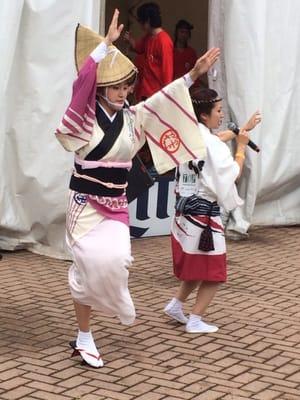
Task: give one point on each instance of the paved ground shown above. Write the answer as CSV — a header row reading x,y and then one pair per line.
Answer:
x,y
255,354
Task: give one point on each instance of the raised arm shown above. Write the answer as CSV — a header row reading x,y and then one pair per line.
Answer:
x,y
204,63
114,30
76,127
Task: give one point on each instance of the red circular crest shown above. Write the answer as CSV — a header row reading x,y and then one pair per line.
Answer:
x,y
170,141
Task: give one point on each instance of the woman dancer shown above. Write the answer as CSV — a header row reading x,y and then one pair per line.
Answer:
x,y
198,242
105,136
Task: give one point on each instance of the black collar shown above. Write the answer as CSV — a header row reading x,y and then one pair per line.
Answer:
x,y
111,129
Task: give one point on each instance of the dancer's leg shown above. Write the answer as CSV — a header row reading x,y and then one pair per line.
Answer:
x,y
174,308
206,293
85,344
83,314
185,289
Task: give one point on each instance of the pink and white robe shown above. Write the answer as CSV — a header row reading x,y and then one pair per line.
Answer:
x,y
97,214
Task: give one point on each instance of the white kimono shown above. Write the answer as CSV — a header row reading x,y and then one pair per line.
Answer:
x,y
215,184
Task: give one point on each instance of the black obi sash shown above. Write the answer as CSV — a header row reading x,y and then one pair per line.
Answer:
x,y
118,176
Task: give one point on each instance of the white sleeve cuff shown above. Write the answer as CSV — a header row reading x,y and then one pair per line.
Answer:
x,y
99,52
188,80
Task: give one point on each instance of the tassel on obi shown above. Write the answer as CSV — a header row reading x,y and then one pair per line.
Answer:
x,y
206,242
194,205
206,239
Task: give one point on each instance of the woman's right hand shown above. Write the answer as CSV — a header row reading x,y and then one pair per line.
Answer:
x,y
242,138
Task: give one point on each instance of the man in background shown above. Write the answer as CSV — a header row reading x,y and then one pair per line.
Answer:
x,y
155,49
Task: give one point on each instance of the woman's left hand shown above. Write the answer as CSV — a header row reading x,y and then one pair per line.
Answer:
x,y
254,120
114,31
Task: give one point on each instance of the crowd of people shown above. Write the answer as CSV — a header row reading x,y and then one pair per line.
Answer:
x,y
175,118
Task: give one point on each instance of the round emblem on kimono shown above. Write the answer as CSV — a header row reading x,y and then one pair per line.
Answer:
x,y
80,198
170,141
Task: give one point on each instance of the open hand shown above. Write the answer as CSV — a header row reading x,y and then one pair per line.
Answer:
x,y
205,62
114,31
254,120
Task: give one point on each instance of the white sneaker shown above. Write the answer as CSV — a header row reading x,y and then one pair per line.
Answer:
x,y
174,310
196,325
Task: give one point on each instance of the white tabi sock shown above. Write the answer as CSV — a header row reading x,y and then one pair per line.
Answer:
x,y
85,342
196,325
174,310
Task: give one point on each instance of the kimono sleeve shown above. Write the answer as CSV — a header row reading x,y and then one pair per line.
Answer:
x,y
168,123
220,172
77,124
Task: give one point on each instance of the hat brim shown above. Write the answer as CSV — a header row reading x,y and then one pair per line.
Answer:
x,y
115,68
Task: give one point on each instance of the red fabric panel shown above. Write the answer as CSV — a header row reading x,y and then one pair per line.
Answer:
x,y
198,267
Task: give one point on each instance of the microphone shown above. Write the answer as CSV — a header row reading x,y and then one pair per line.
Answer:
x,y
235,129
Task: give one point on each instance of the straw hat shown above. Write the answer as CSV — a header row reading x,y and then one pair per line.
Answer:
x,y
113,69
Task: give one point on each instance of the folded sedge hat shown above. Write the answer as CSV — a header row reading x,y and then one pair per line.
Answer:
x,y
113,69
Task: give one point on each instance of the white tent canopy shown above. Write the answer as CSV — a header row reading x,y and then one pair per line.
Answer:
x,y
37,70
260,69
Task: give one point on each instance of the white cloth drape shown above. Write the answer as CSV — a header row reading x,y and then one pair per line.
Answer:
x,y
260,69
36,74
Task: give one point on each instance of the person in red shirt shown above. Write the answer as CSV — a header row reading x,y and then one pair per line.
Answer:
x,y
157,48
184,55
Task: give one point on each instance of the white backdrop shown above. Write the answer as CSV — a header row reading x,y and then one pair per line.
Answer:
x,y
260,69
37,70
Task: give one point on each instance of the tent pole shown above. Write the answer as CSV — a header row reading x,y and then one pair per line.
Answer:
x,y
102,26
